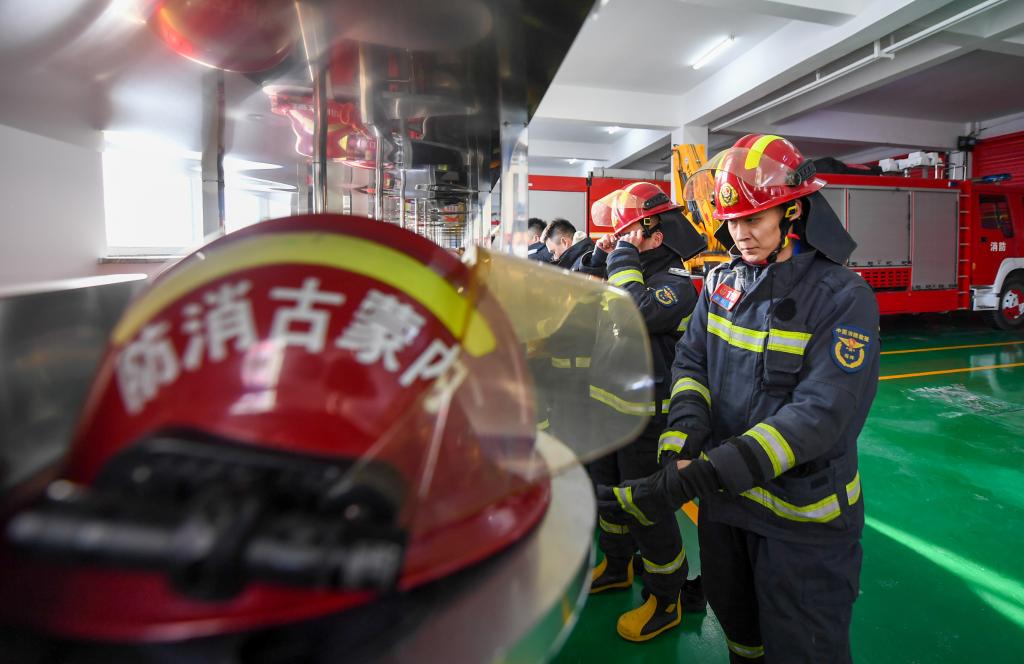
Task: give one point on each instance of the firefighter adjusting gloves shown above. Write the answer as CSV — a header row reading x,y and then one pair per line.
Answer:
x,y
658,496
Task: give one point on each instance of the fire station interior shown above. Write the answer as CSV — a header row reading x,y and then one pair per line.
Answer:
x,y
148,145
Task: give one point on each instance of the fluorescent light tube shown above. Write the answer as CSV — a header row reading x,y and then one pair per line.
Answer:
x,y
714,52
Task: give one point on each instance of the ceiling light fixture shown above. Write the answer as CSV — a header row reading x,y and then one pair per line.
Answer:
x,y
613,130
571,161
715,51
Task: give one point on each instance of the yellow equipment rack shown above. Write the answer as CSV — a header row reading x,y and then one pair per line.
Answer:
x,y
687,158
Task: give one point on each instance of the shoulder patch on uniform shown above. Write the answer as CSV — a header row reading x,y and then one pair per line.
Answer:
x,y
665,296
850,347
679,272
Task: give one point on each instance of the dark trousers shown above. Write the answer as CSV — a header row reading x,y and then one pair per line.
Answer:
x,y
660,545
789,600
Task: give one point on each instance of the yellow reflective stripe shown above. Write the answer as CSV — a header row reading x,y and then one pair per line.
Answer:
x,y
735,335
543,425
666,404
750,652
568,362
788,342
625,498
667,568
683,324
673,441
352,254
626,276
853,489
613,528
684,384
620,404
822,511
757,150
774,445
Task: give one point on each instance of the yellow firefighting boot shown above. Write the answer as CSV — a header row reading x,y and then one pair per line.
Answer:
x,y
616,575
650,619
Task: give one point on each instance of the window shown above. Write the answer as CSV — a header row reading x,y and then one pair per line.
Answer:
x,y
995,214
152,205
153,196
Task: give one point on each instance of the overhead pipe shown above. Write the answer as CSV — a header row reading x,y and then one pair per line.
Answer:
x,y
880,53
212,160
314,44
367,83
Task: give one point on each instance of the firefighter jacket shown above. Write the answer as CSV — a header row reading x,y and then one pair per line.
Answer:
x,y
573,253
772,383
665,296
538,252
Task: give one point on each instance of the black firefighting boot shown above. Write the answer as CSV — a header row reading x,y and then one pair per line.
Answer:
x,y
611,574
691,598
650,619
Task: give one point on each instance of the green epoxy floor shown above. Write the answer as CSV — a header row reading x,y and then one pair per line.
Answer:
x,y
942,464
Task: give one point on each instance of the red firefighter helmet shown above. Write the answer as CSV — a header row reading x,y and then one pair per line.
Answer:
x,y
760,172
646,203
635,202
757,173
295,419
234,35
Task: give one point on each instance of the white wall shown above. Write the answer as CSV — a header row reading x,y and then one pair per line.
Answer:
x,y
51,209
570,205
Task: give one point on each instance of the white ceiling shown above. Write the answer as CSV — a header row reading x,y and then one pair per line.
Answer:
x,y
649,45
630,67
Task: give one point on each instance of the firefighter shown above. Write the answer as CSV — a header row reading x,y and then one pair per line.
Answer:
x,y
560,239
536,250
771,385
644,256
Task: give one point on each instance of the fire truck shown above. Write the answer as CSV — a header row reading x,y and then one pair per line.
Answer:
x,y
923,244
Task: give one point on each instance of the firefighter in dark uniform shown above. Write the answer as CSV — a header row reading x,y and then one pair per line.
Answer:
x,y
651,239
537,251
771,386
565,249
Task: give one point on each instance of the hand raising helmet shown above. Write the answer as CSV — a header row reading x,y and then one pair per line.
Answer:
x,y
646,203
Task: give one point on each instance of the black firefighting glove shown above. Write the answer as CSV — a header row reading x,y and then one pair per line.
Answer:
x,y
655,497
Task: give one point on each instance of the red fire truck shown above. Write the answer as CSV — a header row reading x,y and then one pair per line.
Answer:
x,y
923,244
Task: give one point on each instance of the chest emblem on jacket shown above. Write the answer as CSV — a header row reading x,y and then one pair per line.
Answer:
x,y
726,296
850,348
665,296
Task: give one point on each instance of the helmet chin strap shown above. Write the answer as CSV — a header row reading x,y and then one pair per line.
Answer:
x,y
791,214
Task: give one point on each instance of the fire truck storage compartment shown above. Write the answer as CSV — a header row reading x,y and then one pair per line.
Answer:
x,y
879,220
905,237
836,197
935,232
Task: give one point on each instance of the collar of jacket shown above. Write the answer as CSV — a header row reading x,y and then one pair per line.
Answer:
x,y
568,259
783,276
657,260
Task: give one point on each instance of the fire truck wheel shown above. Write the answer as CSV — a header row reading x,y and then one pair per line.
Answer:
x,y
1010,315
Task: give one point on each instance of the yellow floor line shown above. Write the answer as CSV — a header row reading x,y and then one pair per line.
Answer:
x,y
950,371
691,511
930,350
